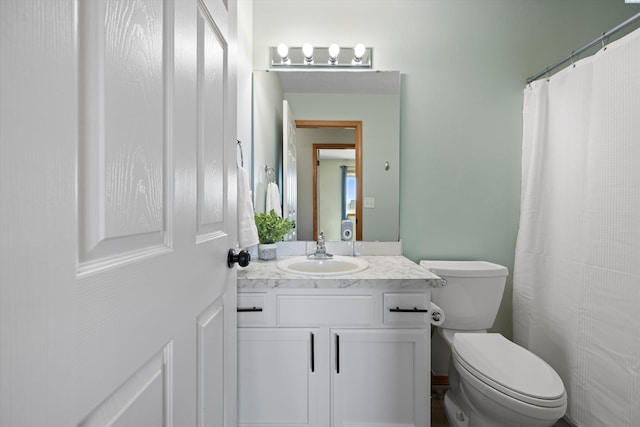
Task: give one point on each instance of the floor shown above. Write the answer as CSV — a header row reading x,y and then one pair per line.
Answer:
x,y
439,417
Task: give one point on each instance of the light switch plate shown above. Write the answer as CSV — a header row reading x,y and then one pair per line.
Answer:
x,y
369,202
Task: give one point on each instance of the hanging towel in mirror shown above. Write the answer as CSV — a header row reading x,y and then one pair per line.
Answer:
x,y
273,198
247,231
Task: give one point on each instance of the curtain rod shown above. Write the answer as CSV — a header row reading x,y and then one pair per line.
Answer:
x,y
575,53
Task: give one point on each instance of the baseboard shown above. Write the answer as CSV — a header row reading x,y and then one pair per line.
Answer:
x,y
439,379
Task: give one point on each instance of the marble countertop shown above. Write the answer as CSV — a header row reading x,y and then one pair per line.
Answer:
x,y
384,272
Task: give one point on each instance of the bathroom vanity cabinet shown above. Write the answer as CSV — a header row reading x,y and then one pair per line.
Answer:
x,y
335,352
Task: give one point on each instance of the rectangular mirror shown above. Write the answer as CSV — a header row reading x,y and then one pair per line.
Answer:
x,y
371,98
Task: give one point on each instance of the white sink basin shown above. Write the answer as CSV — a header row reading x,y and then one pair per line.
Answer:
x,y
335,266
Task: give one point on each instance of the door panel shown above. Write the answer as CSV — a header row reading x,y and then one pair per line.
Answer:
x,y
123,163
211,354
211,99
141,400
119,119
289,168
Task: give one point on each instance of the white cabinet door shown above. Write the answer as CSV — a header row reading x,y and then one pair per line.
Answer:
x,y
379,377
117,201
277,377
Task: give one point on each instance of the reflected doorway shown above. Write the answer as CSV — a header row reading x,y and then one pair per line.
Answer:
x,y
337,192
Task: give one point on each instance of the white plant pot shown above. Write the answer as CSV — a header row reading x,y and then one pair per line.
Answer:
x,y
267,251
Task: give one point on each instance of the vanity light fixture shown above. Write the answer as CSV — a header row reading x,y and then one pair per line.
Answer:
x,y
332,57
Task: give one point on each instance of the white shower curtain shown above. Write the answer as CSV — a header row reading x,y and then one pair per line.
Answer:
x,y
576,296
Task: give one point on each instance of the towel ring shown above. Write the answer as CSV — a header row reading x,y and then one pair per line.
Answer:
x,y
241,155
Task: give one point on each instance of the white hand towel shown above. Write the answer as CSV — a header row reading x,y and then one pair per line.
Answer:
x,y
247,231
273,199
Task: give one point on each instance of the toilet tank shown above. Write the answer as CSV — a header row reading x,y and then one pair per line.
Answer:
x,y
472,295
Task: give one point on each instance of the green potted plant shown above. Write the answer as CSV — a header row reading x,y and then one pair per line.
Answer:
x,y
271,229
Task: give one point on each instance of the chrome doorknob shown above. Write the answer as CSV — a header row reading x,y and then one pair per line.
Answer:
x,y
242,258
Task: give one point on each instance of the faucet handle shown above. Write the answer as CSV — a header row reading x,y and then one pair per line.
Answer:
x,y
321,250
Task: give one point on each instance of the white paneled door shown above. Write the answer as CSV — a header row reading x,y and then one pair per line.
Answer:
x,y
118,207
289,169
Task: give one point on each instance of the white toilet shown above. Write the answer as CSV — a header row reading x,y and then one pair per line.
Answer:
x,y
493,382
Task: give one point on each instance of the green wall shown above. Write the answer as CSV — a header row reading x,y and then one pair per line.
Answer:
x,y
464,65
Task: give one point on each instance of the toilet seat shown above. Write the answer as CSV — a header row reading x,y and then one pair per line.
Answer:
x,y
508,368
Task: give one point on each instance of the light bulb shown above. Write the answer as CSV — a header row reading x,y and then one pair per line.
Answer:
x,y
358,51
307,52
334,51
283,51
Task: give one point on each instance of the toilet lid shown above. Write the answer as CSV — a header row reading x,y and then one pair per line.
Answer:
x,y
465,268
509,368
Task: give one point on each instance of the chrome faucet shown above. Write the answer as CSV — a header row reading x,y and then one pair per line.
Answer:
x,y
321,249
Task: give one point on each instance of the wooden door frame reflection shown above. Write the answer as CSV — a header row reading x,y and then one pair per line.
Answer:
x,y
357,125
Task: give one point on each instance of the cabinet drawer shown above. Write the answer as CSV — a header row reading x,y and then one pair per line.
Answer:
x,y
406,309
252,309
325,310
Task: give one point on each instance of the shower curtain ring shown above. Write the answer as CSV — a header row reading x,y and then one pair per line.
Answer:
x,y
571,57
604,47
